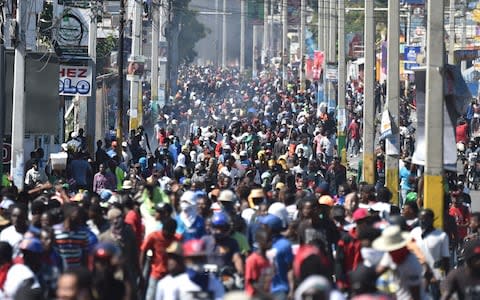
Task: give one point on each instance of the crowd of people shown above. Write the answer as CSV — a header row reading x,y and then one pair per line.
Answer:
x,y
239,194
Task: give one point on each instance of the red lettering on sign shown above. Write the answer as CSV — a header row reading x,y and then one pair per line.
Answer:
x,y
71,72
82,73
62,72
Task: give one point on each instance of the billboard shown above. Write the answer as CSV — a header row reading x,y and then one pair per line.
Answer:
x,y
410,57
75,80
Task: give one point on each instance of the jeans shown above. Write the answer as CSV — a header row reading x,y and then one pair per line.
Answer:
x,y
151,289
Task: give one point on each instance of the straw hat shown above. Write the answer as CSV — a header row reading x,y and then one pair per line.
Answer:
x,y
392,239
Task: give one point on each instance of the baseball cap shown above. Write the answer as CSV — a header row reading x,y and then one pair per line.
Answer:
x,y
326,200
360,214
226,195
32,245
274,222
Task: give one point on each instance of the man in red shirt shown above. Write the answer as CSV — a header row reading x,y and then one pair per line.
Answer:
x,y
461,132
158,242
348,249
258,269
353,137
461,214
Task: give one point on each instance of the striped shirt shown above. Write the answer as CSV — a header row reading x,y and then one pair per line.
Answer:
x,y
71,245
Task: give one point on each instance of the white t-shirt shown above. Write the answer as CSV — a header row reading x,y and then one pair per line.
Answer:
x,y
180,288
11,236
406,275
434,246
17,274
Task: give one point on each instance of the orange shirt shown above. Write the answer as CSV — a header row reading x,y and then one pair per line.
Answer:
x,y
157,242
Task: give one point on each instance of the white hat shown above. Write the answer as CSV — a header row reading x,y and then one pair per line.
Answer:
x,y
392,239
6,203
278,209
313,282
127,185
226,195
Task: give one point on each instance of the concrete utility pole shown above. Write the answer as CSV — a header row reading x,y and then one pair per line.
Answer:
x,y
341,114
224,35
242,35
217,32
451,33
271,42
433,184
92,53
255,50
285,48
369,94
156,25
121,35
18,109
303,7
2,90
265,32
393,93
326,24
320,25
136,105
332,51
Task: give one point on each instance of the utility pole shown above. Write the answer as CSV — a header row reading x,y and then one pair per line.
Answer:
x,y
303,6
242,35
393,93
265,32
341,114
369,94
224,35
433,184
136,105
451,33
217,32
325,21
121,35
18,109
156,25
271,42
92,53
463,40
320,14
285,48
2,89
332,52
255,51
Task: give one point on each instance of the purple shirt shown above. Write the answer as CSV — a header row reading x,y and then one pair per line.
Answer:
x,y
103,181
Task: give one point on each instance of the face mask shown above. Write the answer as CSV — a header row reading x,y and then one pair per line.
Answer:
x,y
219,236
398,256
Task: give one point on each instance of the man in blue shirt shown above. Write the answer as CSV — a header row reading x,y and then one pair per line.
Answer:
x,y
282,256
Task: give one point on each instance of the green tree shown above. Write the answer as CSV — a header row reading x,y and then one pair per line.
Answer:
x,y
104,50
